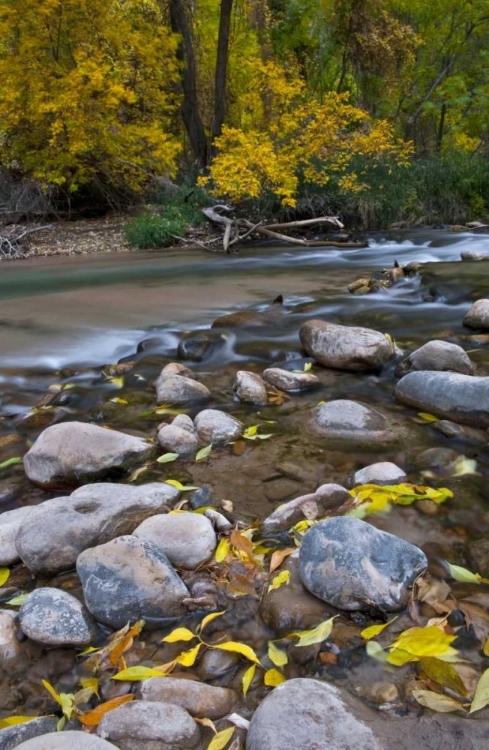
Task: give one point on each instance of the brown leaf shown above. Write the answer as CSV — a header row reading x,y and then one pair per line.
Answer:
x,y
92,718
476,616
279,556
240,585
443,673
243,544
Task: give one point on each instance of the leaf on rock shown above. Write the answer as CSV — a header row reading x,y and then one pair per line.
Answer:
x,y
238,648
179,485
317,634
373,630
221,739
481,697
276,655
209,618
167,458
93,718
180,634
273,678
279,580
135,674
428,641
427,417
436,701
203,453
248,678
12,721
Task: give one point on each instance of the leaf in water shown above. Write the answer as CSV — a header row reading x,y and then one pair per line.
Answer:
x,y
481,697
279,580
276,655
427,417
374,630
61,724
187,658
273,678
134,674
464,466
238,648
167,458
250,431
89,650
179,485
463,575
4,575
209,618
278,557
52,691
375,651
120,401
67,703
180,634
429,641
222,551
221,739
12,721
307,366
437,702
317,634
93,718
90,683
248,678
11,462
117,382
137,473
442,673
203,453
239,541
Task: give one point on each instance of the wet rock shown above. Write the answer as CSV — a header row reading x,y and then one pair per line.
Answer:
x,y
290,381
436,458
176,368
280,489
460,398
199,699
179,439
250,388
73,453
187,539
381,473
345,347
381,692
217,519
354,566
478,554
9,643
177,389
245,319
352,423
311,506
12,737
201,498
142,725
215,663
217,427
305,713
68,740
472,255
197,346
56,618
10,523
436,355
50,539
478,315
129,579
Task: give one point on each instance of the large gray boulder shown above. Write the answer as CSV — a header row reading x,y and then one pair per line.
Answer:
x,y
178,389
70,740
10,523
478,315
350,423
304,714
141,725
199,699
352,565
217,427
460,398
73,453
314,505
187,539
52,536
12,737
128,579
345,347
436,355
250,388
56,618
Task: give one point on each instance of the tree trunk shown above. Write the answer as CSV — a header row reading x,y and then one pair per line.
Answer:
x,y
221,67
190,107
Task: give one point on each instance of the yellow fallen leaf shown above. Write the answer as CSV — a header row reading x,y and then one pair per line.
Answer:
x,y
250,431
180,634
209,618
93,718
463,575
481,697
221,739
238,648
276,655
317,634
222,551
373,630
427,417
206,723
12,721
248,678
187,658
137,473
279,580
443,673
273,678
90,683
429,641
375,651
134,674
307,366
167,458
4,575
437,702
203,453
52,691
180,486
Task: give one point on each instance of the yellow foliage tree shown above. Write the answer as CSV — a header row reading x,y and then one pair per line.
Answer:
x,y
86,90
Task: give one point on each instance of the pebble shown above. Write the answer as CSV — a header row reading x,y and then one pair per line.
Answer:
x,y
217,427
312,506
9,643
352,424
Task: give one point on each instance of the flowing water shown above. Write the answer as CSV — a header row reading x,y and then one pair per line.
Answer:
x,y
65,321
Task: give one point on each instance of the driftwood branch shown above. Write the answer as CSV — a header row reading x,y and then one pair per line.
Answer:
x,y
12,241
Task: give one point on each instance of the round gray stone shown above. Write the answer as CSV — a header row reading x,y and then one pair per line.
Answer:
x,y
178,440
56,618
285,380
436,355
380,473
478,315
250,388
217,427
187,539
70,740
352,423
177,389
345,347
199,699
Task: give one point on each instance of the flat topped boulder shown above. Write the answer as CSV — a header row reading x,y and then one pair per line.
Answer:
x,y
52,536
350,422
73,453
345,347
459,398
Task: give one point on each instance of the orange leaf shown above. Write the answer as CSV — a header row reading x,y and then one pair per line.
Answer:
x,y
92,718
279,556
243,544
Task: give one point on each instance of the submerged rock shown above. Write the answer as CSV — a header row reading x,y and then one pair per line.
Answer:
x,y
460,398
141,725
290,381
478,315
177,389
217,427
199,699
54,617
187,539
380,473
303,714
436,355
73,453
250,388
197,346
51,537
345,347
312,506
128,579
354,566
352,423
